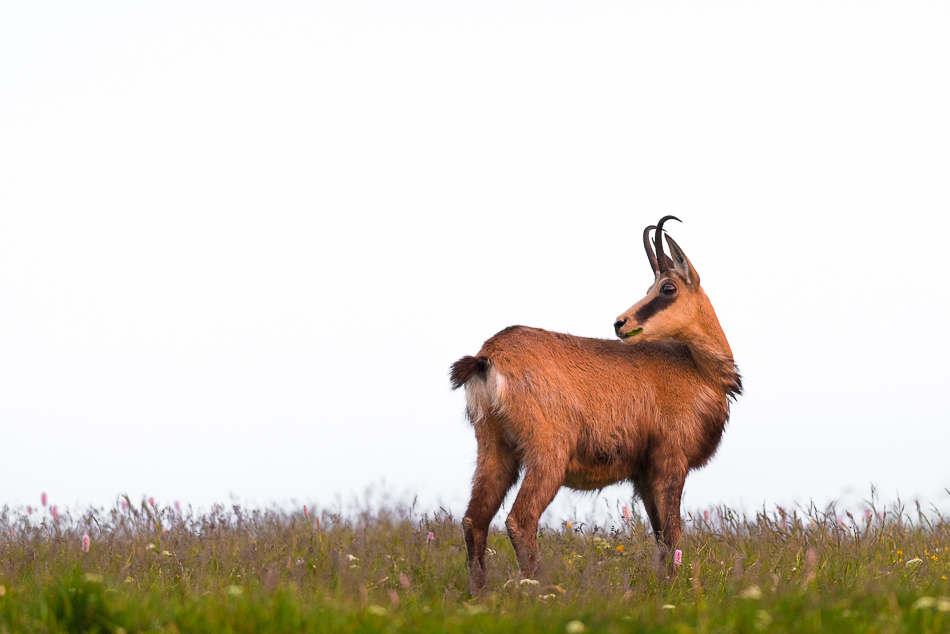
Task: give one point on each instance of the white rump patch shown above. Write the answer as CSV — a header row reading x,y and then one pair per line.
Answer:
x,y
484,395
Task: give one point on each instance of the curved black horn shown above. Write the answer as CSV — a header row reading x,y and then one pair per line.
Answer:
x,y
646,245
660,257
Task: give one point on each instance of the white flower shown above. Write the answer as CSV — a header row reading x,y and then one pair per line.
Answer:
x,y
377,610
924,602
941,603
574,627
913,562
532,582
352,558
668,606
752,592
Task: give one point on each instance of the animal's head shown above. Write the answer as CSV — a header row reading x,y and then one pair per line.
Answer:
x,y
674,304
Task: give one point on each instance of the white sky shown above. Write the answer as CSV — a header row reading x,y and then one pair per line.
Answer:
x,y
241,243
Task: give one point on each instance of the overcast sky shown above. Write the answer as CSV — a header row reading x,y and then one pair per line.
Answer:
x,y
241,243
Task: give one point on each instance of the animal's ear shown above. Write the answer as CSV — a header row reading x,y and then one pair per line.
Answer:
x,y
681,263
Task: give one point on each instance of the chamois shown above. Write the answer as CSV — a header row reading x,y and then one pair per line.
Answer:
x,y
587,413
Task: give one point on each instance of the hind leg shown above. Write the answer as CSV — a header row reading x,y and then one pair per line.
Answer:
x,y
496,472
542,480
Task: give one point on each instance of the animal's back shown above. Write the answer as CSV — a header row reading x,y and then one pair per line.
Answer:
x,y
602,400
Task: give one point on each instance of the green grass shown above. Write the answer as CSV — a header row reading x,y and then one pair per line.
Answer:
x,y
374,571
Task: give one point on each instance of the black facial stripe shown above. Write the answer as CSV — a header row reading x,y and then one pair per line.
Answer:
x,y
652,307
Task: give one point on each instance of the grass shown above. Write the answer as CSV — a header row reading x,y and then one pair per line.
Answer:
x,y
234,570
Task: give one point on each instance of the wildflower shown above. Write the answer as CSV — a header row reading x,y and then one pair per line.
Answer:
x,y
867,515
678,558
177,506
626,513
913,562
124,505
43,499
29,510
668,606
85,543
235,591
530,582
752,592
574,627
430,537
377,610
305,514
924,602
352,558
569,526
706,515
151,502
620,548
55,513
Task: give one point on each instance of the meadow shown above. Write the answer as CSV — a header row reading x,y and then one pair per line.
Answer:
x,y
140,567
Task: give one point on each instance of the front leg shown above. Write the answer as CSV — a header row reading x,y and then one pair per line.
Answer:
x,y
662,496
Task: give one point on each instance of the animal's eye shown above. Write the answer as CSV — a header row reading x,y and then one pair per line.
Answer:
x,y
668,289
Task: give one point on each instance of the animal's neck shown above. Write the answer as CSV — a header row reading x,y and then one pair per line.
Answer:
x,y
712,355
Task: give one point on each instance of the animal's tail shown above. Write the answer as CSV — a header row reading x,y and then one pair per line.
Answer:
x,y
465,368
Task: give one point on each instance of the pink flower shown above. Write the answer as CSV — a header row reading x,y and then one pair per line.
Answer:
x,y
678,558
867,514
123,505
152,502
85,543
29,510
177,506
305,514
55,513
626,513
430,537
706,515
43,499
